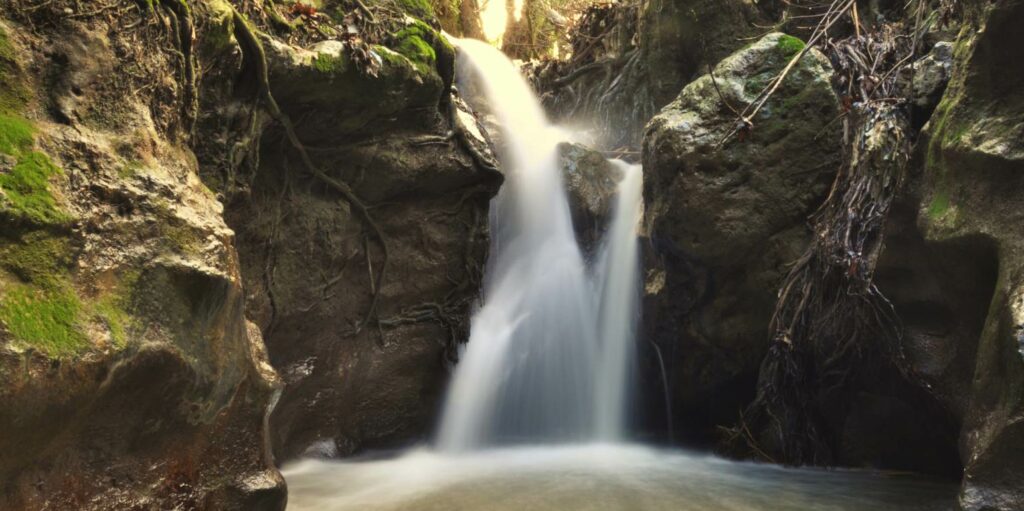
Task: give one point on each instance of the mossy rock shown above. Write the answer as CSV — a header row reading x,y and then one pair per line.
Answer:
x,y
14,94
44,318
25,193
789,45
38,304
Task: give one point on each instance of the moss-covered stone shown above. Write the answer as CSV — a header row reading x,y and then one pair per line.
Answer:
x,y
412,43
13,92
331,64
789,45
43,318
111,309
37,257
38,305
26,190
15,134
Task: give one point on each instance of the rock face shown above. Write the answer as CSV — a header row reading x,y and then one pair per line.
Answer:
x,y
156,221
129,375
724,220
964,306
362,328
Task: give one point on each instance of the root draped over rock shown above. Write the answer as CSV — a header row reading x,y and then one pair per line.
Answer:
x,y
830,318
253,50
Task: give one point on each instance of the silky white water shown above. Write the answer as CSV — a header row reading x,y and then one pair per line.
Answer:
x,y
548,367
596,477
550,349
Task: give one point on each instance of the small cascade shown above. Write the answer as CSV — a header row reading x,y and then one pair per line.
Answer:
x,y
546,361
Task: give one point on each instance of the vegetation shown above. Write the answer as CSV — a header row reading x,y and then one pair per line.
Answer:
x,y
411,42
44,318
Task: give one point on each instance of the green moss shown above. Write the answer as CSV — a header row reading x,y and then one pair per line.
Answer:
x,y
110,310
13,93
6,50
26,190
330,64
182,238
40,308
753,85
43,318
38,258
939,205
411,43
15,134
789,45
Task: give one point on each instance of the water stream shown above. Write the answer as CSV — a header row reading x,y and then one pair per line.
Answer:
x,y
537,411
549,351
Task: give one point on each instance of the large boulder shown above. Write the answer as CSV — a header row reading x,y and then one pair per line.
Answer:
x,y
361,327
591,181
725,217
129,375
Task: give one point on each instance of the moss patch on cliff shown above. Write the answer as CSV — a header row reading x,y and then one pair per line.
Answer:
x,y
46,319
25,187
13,93
411,43
37,258
38,306
26,190
111,309
939,205
15,134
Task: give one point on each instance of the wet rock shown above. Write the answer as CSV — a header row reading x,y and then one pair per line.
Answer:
x,y
925,80
724,220
591,182
364,348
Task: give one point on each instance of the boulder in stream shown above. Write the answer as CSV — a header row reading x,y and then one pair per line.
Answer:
x,y
725,217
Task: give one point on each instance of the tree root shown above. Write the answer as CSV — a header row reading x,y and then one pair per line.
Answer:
x,y
465,140
253,49
182,17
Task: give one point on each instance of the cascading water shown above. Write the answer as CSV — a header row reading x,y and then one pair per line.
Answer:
x,y
549,361
545,361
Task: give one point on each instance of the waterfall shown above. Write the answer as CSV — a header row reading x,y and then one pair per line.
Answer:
x,y
550,350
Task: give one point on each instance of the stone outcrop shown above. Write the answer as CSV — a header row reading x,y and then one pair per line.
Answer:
x,y
160,226
960,291
129,375
360,312
724,220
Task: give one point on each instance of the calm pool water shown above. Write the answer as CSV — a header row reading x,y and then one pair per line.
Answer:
x,y
597,478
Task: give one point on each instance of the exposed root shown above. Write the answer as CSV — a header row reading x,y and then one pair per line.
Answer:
x,y
830,318
181,17
253,49
466,141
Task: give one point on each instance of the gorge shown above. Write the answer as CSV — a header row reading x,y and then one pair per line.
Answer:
x,y
551,255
